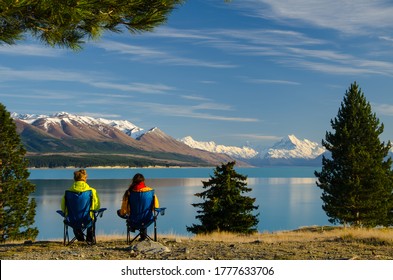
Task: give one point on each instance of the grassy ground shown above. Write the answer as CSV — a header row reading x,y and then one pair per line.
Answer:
x,y
313,243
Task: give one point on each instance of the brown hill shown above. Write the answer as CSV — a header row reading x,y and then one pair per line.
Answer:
x,y
64,135
159,141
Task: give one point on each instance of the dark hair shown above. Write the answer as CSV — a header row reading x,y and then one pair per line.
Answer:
x,y
138,178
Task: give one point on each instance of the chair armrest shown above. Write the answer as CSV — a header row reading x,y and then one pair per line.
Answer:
x,y
61,213
160,211
98,212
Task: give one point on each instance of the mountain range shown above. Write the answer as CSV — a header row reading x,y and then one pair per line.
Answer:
x,y
64,139
288,151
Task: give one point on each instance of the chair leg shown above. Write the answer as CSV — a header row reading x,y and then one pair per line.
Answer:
x,y
140,234
130,242
65,235
67,240
155,230
91,235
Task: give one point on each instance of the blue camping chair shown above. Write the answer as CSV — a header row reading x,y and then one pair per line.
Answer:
x,y
143,214
78,216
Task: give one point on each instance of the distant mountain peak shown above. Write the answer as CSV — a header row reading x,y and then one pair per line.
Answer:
x,y
62,114
236,152
291,147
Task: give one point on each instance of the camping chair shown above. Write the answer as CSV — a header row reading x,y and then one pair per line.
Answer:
x,y
78,216
143,214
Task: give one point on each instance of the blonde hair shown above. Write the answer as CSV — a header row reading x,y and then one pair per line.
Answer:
x,y
80,175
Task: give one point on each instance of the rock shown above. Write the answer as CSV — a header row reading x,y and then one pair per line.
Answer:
x,y
150,247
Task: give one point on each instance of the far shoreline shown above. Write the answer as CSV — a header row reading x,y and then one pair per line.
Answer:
x,y
122,167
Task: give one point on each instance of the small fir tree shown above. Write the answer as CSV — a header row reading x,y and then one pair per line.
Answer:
x,y
17,211
357,181
224,208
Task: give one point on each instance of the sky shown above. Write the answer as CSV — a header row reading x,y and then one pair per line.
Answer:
x,y
250,71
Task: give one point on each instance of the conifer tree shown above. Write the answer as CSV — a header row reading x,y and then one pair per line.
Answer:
x,y
67,23
17,211
224,208
357,181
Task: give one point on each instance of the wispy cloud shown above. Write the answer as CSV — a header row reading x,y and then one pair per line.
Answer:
x,y
173,33
134,87
263,36
191,111
266,81
350,17
258,137
151,55
52,74
94,79
384,109
193,97
355,67
98,115
30,50
289,48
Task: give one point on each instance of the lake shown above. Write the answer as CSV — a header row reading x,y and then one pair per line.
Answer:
x,y
288,197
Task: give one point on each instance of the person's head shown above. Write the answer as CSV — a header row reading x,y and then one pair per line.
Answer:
x,y
80,175
138,178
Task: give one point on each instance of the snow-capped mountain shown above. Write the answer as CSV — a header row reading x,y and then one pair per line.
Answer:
x,y
125,126
62,129
57,119
291,147
68,135
288,149
236,152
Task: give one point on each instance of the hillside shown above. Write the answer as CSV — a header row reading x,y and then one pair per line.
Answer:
x,y
69,140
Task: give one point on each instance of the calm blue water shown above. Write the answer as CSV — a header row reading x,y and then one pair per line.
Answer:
x,y
287,197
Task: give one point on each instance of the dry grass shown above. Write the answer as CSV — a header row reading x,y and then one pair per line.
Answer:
x,y
314,233
311,243
383,235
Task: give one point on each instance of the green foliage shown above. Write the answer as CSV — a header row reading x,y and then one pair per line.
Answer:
x,y
68,23
224,208
93,160
357,181
17,211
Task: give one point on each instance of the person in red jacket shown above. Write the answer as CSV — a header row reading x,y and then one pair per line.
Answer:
x,y
137,185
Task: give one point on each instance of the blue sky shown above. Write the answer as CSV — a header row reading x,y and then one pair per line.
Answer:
x,y
250,70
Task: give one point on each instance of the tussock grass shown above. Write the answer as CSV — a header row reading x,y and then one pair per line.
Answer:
x,y
376,236
373,236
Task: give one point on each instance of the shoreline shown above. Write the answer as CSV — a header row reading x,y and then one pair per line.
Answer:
x,y
121,167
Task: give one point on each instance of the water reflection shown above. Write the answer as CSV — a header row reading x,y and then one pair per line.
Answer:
x,y
284,203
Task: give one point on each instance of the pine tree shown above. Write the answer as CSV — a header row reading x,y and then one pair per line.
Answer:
x,y
357,181
224,208
67,23
17,211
